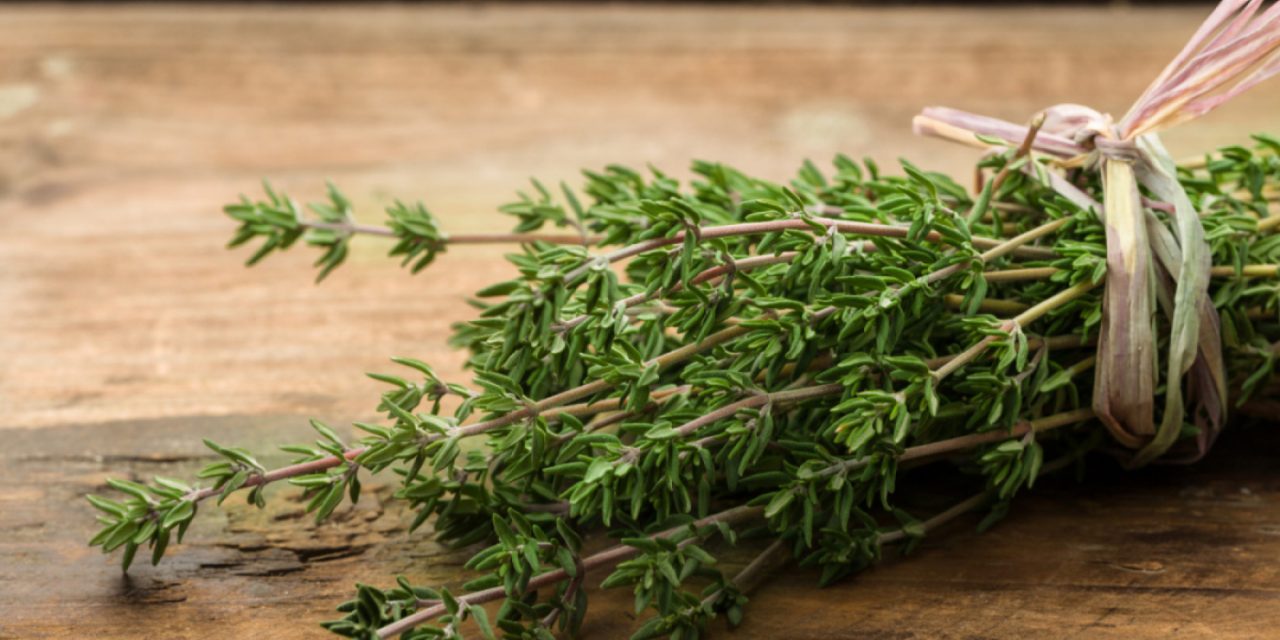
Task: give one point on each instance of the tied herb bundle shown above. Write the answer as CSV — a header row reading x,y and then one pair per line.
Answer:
x,y
679,369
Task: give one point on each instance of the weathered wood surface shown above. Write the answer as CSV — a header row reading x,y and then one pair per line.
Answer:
x,y
126,332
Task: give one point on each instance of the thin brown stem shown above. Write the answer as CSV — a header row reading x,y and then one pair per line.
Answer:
x,y
1248,271
987,305
284,473
615,418
758,400
520,238
957,510
608,557
1031,314
1220,271
968,355
802,224
349,228
675,356
969,441
611,404
746,580
1052,342
560,508
1018,243
1004,248
1020,275
745,264
966,505
456,238
1054,301
805,393
1023,151
575,583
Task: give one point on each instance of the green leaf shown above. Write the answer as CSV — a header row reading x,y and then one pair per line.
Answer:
x,y
597,470
778,503
183,511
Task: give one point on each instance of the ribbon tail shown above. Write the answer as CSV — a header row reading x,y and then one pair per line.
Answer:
x,y
1191,350
1125,379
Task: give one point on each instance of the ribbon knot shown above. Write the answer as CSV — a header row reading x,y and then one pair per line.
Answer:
x,y
1230,52
1117,149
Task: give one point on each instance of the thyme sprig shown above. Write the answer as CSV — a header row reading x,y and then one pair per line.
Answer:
x,y
686,367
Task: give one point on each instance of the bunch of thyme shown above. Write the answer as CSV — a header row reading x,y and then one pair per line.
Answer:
x,y
680,367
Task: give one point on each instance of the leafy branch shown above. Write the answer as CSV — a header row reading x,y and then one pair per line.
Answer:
x,y
677,367
280,222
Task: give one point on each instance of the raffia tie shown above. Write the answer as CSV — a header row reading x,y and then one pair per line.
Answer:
x,y
1154,265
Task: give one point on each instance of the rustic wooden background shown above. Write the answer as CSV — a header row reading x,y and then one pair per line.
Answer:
x,y
127,332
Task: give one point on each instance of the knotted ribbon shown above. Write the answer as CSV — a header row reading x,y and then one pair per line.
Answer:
x,y
1152,263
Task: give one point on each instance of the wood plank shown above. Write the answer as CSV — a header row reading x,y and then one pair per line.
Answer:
x,y
1168,552
127,333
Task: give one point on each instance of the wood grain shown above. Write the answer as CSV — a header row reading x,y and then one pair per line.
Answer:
x,y
127,332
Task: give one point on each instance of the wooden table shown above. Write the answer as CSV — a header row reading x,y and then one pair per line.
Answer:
x,y
127,333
